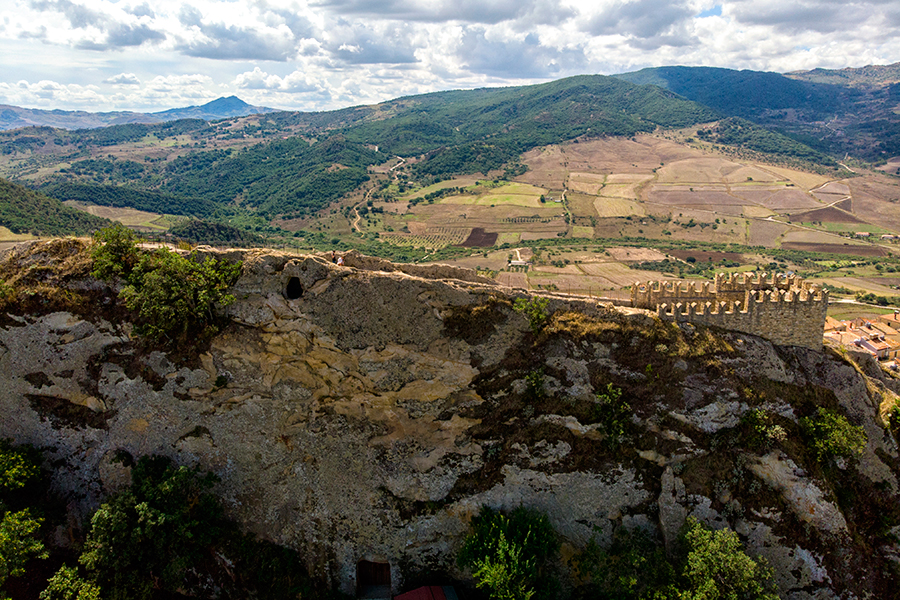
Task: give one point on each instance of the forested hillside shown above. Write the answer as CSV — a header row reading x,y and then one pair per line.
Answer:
x,y
742,93
458,132
850,111
25,211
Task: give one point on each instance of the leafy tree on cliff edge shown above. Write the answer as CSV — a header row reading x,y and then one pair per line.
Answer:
x,y
174,297
147,537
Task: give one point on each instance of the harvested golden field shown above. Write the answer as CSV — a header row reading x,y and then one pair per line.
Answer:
x,y
697,170
539,235
751,173
867,284
833,187
130,217
876,199
582,231
508,238
460,182
8,236
581,205
588,183
621,190
802,179
546,167
825,215
756,212
517,194
705,197
617,274
776,198
809,236
627,178
636,254
569,283
766,233
618,207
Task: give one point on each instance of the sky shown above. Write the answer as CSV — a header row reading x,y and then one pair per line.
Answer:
x,y
105,55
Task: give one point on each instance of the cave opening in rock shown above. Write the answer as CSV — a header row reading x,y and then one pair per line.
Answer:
x,y
293,290
373,579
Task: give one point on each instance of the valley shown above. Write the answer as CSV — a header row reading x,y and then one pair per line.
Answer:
x,y
537,187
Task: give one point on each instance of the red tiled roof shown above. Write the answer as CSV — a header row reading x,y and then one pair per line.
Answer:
x,y
432,592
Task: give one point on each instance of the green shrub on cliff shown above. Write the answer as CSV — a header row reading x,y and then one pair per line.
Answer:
x,y
148,536
633,567
613,413
509,554
114,252
535,310
175,298
830,435
707,565
20,474
717,568
165,537
18,544
67,584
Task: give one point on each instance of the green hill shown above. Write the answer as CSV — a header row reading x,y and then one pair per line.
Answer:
x,y
122,196
455,132
208,232
835,112
861,76
25,211
747,94
735,131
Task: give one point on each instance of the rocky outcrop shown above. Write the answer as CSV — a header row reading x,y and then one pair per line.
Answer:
x,y
367,414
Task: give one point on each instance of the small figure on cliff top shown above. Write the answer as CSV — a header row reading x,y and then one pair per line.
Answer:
x,y
340,261
333,257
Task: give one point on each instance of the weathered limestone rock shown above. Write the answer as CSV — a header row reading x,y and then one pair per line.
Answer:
x,y
802,495
672,512
351,421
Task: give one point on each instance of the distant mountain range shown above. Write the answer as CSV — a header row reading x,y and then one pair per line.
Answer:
x,y
14,117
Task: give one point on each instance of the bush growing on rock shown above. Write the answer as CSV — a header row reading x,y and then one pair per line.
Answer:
x,y
67,584
535,310
708,565
114,252
830,435
613,413
174,297
509,554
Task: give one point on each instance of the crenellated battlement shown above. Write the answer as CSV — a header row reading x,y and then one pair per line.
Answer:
x,y
782,308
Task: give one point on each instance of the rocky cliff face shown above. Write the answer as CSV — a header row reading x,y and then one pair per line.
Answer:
x,y
367,413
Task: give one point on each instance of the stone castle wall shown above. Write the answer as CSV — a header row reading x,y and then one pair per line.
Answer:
x,y
783,309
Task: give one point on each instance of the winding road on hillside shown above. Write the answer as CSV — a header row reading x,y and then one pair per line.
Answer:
x,y
357,217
